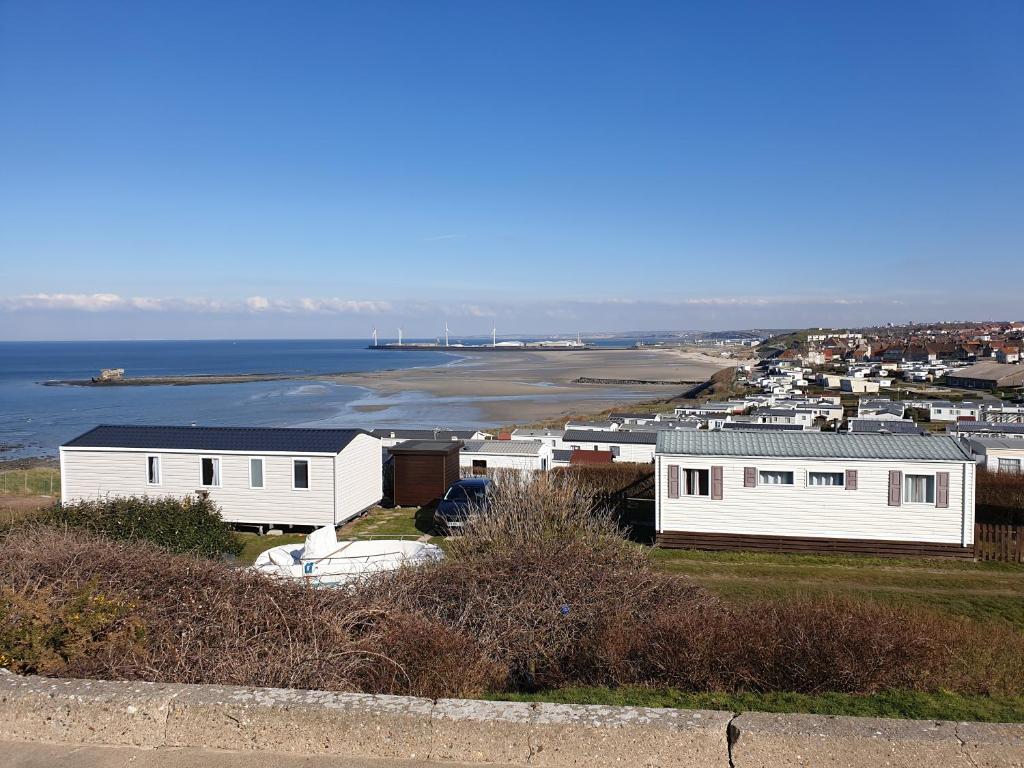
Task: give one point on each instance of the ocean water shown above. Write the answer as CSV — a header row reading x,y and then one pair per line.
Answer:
x,y
35,419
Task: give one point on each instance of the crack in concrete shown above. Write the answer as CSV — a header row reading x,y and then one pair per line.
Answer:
x,y
731,737
963,745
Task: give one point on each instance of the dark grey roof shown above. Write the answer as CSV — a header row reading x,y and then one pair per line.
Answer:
x,y
610,436
893,426
811,445
252,439
749,425
981,427
561,455
426,447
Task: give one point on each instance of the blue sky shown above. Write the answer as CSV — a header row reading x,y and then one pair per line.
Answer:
x,y
253,169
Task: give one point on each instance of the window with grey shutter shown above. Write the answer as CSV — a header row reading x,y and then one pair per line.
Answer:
x,y
750,477
942,489
895,488
851,479
716,483
673,481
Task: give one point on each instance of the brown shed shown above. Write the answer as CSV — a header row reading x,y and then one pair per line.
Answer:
x,y
424,469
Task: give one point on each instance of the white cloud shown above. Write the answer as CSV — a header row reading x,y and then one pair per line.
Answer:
x,y
257,303
90,302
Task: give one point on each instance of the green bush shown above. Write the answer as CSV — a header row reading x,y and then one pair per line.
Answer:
x,y
186,525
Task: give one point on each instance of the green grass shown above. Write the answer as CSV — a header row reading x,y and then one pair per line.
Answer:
x,y
983,591
37,481
253,544
900,704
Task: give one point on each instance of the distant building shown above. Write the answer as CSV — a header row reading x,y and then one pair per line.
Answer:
x,y
987,376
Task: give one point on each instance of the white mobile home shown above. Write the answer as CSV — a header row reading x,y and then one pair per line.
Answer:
x,y
550,437
815,491
635,446
389,438
525,455
256,475
998,454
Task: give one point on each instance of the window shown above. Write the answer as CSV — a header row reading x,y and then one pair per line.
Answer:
x,y
210,472
153,470
775,478
697,482
919,489
300,474
574,447
1010,465
826,478
614,450
479,466
255,473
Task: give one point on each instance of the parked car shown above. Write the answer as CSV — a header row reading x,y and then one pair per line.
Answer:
x,y
463,498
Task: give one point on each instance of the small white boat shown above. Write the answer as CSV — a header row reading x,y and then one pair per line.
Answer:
x,y
322,560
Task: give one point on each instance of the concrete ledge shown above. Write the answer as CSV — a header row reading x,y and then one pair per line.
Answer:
x,y
775,740
169,717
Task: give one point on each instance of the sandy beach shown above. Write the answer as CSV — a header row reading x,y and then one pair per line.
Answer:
x,y
525,387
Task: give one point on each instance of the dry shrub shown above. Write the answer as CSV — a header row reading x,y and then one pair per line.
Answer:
x,y
999,497
537,593
198,620
598,479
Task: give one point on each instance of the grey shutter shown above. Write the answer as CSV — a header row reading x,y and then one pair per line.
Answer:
x,y
942,489
851,479
895,488
673,481
716,483
749,477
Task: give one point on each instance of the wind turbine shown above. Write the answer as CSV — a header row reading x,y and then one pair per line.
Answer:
x,y
375,337
494,336
399,337
446,333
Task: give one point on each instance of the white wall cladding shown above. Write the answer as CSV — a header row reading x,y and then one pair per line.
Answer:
x,y
826,512
358,474
91,474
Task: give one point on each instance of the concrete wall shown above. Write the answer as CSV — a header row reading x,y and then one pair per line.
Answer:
x,y
164,717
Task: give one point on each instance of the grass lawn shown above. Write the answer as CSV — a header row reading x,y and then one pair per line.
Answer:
x,y
983,591
35,481
400,521
899,704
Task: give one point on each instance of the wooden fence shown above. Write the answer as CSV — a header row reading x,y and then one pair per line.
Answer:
x,y
999,542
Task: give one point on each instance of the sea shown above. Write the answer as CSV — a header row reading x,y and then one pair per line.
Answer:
x,y
35,419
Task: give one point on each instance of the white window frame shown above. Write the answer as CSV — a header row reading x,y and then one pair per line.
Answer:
x,y
684,482
159,469
1018,465
263,473
906,487
841,486
776,471
309,473
216,472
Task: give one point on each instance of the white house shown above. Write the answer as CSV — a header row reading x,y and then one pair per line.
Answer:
x,y
634,446
998,454
945,410
986,429
256,475
815,491
550,437
526,455
389,438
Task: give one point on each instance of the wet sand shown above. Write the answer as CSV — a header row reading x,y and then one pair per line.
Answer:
x,y
524,387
